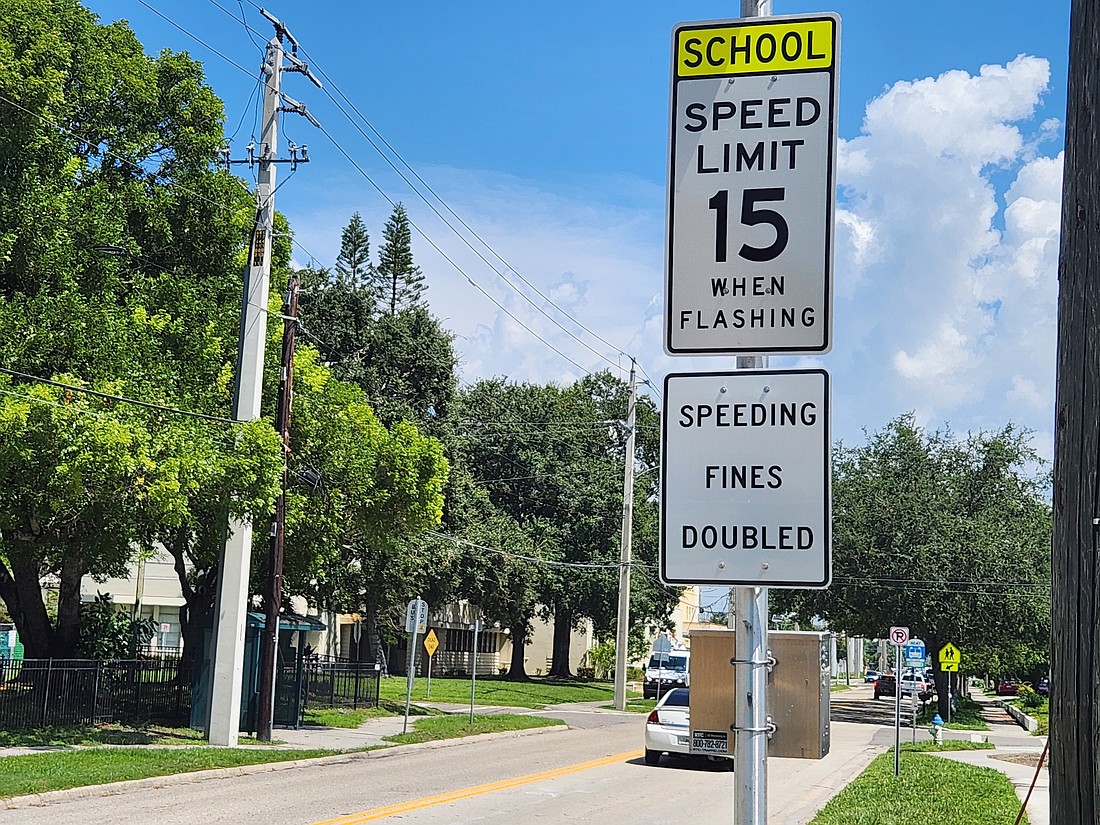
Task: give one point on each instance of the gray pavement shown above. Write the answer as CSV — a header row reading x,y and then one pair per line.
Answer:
x,y
853,746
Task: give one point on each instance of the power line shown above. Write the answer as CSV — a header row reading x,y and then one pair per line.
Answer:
x,y
447,257
108,396
518,557
465,225
193,36
447,223
332,83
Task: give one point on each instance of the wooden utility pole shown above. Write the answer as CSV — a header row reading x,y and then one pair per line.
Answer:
x,y
1075,619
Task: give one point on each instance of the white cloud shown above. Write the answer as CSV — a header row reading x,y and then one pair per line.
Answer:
x,y
945,311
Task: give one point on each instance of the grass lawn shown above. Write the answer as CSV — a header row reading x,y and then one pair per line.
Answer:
x,y
455,726
928,789
536,693
41,772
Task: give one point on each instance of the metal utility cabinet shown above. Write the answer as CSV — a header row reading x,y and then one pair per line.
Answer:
x,y
798,692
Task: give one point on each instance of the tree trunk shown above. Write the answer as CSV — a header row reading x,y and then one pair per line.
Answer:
x,y
67,638
377,650
194,616
563,632
517,667
198,600
1075,634
36,631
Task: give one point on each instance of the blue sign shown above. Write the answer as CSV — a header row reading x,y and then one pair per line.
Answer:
x,y
914,652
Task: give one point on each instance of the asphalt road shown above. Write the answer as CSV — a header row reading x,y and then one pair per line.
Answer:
x,y
591,772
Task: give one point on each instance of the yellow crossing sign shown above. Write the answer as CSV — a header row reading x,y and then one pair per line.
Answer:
x,y
950,657
431,643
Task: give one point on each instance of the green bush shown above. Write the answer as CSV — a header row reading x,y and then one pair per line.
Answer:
x,y
109,633
1028,698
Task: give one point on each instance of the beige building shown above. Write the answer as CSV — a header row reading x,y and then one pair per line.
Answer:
x,y
152,586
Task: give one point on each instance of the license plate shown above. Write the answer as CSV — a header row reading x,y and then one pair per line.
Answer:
x,y
682,740
706,741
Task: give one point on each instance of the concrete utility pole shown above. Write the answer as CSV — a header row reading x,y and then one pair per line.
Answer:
x,y
750,608
232,602
1075,634
274,595
622,630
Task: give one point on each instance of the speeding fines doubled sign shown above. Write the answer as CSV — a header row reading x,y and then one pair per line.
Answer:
x,y
751,186
745,479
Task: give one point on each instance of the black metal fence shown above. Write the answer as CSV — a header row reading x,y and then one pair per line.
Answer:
x,y
340,683
44,692
37,693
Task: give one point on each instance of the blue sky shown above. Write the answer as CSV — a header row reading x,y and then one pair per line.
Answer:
x,y
545,128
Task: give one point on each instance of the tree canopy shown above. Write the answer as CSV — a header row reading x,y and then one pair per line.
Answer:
x,y
949,536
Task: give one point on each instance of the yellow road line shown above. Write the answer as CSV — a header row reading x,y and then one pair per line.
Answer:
x,y
477,790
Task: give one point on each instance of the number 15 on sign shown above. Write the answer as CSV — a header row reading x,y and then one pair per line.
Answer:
x,y
751,186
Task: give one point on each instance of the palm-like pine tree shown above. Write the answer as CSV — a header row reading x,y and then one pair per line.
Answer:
x,y
353,265
399,282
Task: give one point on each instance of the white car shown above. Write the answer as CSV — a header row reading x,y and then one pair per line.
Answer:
x,y
667,728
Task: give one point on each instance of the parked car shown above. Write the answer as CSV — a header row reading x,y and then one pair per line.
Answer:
x,y
917,685
667,729
1007,687
886,685
870,676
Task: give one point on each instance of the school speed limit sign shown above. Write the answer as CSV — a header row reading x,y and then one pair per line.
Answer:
x,y
751,191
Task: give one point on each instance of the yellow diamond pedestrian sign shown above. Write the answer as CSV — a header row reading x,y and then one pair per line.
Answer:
x,y
431,643
949,658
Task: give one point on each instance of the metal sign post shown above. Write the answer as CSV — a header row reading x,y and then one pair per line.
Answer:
x,y
950,659
416,622
475,627
897,709
751,196
898,636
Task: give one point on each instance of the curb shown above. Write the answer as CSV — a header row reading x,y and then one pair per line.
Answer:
x,y
383,751
1028,723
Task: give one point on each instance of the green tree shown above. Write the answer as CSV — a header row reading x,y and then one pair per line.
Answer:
x,y
119,149
353,266
409,369
948,536
398,282
552,459
359,492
